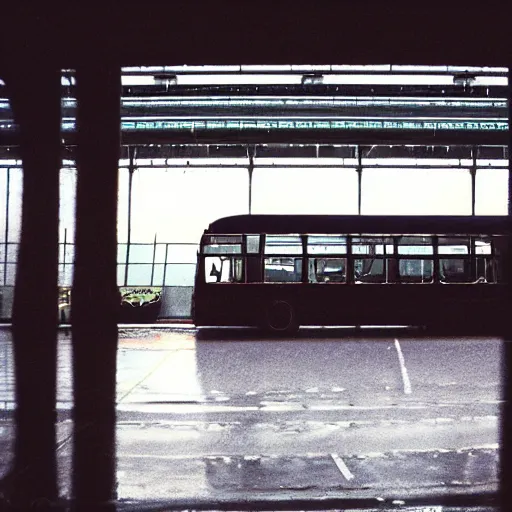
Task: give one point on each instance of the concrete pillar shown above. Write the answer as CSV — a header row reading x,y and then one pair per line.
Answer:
x,y
506,374
95,296
34,91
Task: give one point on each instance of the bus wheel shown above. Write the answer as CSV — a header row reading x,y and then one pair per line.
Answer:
x,y
280,318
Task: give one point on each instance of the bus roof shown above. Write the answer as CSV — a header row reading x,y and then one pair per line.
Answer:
x,y
370,224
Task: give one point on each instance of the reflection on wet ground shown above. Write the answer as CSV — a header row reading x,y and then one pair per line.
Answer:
x,y
224,414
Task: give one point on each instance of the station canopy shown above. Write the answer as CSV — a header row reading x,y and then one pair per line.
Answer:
x,y
306,104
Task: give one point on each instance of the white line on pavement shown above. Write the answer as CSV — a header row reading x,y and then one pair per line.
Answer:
x,y
403,369
342,466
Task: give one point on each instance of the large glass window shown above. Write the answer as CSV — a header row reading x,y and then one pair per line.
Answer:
x,y
304,191
491,192
416,192
177,204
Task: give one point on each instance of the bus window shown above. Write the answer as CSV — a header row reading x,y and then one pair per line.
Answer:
x,y
327,270
371,246
455,270
370,270
482,245
415,270
222,244
486,269
223,269
253,244
283,244
283,270
455,266
415,245
327,244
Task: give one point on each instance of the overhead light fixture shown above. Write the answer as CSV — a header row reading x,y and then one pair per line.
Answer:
x,y
312,79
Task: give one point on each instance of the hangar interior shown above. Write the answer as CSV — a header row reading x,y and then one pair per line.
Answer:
x,y
203,142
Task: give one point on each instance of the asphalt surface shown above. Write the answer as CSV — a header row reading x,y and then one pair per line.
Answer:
x,y
227,416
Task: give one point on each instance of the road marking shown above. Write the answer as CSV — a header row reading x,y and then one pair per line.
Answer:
x,y
403,369
342,466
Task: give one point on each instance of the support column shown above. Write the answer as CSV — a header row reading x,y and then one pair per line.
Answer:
x,y
131,169
7,199
250,154
506,374
33,478
96,300
359,178
473,179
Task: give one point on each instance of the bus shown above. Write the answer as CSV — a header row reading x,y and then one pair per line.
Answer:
x,y
280,272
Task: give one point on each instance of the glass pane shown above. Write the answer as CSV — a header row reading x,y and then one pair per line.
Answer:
x,y
372,245
486,270
283,270
455,270
370,270
65,275
3,201
141,253
253,244
182,253
70,253
177,274
483,245
326,244
120,274
122,206
160,253
455,245
215,239
491,192
415,245
223,249
121,253
15,204
415,271
139,275
304,191
10,274
223,270
12,252
179,203
158,275
282,244
67,201
416,192
327,270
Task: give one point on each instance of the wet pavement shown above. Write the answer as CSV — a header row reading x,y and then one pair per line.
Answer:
x,y
229,416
